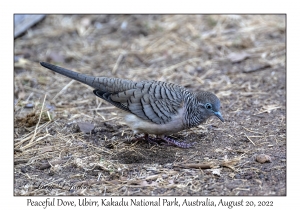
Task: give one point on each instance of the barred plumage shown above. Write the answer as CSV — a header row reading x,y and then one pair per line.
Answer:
x,y
153,107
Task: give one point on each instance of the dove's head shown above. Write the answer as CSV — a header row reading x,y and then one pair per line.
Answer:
x,y
209,104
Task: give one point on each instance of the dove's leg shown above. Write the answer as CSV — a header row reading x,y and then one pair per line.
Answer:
x,y
171,141
166,139
140,137
147,138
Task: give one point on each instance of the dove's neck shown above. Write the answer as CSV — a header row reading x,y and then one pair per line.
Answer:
x,y
193,116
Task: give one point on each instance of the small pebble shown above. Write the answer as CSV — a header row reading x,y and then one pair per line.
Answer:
x,y
262,158
199,69
29,106
237,176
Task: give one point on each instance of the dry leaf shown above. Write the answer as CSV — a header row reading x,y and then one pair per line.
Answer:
x,y
85,127
216,171
237,57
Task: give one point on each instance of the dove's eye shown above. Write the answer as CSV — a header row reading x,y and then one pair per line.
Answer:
x,y
208,106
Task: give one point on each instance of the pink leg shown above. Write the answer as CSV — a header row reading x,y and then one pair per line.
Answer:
x,y
171,141
147,138
166,139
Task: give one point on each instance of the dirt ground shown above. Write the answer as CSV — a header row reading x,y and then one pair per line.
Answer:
x,y
69,142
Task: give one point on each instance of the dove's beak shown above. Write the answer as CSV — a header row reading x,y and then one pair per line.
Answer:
x,y
218,114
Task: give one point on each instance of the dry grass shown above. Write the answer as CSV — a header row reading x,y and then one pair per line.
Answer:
x,y
241,58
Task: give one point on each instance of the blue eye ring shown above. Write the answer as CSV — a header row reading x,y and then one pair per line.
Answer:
x,y
208,106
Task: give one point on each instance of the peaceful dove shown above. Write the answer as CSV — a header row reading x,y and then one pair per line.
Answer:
x,y
151,107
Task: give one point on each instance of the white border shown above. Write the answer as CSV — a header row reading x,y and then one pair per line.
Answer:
x,y
154,6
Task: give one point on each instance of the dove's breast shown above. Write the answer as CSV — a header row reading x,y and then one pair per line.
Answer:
x,y
139,125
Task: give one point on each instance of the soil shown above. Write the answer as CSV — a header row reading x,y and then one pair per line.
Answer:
x,y
240,58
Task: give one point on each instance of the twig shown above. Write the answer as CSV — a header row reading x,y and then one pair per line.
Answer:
x,y
31,144
49,115
195,165
251,130
28,136
117,63
37,125
269,109
62,90
103,108
249,139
